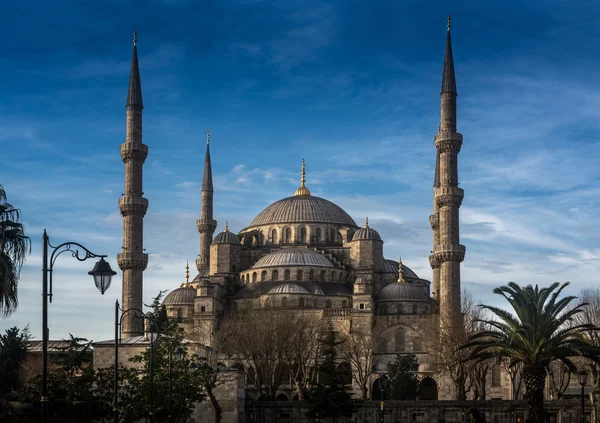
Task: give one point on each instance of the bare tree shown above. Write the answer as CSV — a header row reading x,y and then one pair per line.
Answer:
x,y
259,339
357,350
516,377
560,377
591,314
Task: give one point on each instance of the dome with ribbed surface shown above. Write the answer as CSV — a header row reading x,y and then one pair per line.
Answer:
x,y
402,291
391,266
180,296
288,288
226,237
303,209
293,257
366,234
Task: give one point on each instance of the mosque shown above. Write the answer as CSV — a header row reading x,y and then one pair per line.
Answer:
x,y
304,252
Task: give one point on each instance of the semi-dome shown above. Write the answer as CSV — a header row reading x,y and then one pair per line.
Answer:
x,y
180,296
226,237
303,209
391,266
366,233
293,257
402,291
288,288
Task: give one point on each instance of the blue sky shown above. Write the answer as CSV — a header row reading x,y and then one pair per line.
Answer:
x,y
352,87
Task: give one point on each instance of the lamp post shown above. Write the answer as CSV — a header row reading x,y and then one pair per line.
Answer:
x,y
179,353
152,335
582,381
102,274
118,324
382,383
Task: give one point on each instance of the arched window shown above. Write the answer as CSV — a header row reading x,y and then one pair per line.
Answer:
x,y
332,276
417,345
414,309
328,304
274,236
286,275
299,275
288,235
322,276
261,238
275,275
318,234
179,312
303,235
338,238
315,303
263,276
311,275
332,235
341,277
284,302
399,340
344,304
496,379
301,303
254,277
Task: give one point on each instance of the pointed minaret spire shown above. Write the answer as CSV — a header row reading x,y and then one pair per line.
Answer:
x,y
206,224
448,78
134,93
302,190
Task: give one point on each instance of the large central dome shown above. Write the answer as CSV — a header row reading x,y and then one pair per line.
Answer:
x,y
303,209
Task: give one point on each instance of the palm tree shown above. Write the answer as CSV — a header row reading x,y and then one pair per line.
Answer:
x,y
14,246
541,331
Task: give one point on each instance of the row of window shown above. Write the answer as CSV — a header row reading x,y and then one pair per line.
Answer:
x,y
401,309
300,275
303,303
302,236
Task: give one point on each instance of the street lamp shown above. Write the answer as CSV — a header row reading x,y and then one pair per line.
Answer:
x,y
152,335
382,384
118,323
179,354
102,274
582,381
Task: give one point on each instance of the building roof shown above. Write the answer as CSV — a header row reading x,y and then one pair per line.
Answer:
x,y
258,289
180,296
391,266
293,257
303,209
366,234
288,288
202,275
226,237
53,346
403,291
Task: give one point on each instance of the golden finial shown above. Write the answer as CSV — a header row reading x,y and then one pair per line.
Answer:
x,y
367,222
207,136
226,226
449,21
187,274
134,37
400,275
302,190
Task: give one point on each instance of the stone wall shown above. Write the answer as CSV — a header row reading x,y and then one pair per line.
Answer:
x,y
416,411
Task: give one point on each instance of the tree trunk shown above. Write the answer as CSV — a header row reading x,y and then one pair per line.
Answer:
x,y
215,404
534,378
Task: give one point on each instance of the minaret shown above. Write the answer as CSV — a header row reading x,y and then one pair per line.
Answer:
x,y
448,253
206,224
132,261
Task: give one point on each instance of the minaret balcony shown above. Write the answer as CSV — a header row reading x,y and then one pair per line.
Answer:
x,y
449,252
448,142
133,151
132,261
448,196
133,205
205,225
434,221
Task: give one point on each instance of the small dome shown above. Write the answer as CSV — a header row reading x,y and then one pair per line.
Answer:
x,y
288,288
362,280
293,257
226,237
402,291
366,234
200,276
391,266
180,296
